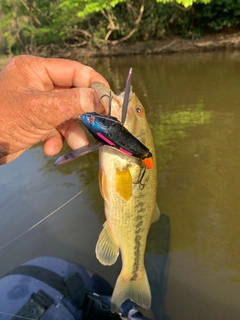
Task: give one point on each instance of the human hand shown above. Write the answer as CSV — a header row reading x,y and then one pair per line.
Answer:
x,y
40,100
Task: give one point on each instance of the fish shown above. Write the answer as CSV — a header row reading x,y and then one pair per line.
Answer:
x,y
129,192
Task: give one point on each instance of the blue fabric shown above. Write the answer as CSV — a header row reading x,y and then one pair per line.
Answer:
x,y
16,290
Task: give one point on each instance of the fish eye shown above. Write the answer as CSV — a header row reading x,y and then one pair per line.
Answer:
x,y
139,110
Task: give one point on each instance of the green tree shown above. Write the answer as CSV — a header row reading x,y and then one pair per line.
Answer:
x,y
46,27
185,3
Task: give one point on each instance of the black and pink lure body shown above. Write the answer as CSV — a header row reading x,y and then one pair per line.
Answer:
x,y
111,132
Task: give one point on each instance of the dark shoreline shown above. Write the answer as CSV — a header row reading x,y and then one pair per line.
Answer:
x,y
207,43
216,42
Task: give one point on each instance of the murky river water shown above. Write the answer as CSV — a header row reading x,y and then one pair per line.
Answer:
x,y
193,254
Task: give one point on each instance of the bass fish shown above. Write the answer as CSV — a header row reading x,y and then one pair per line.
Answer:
x,y
129,192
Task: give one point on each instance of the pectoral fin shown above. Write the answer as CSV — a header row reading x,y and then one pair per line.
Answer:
x,y
107,249
124,184
156,213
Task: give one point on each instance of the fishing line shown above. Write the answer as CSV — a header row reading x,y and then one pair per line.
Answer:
x,y
48,216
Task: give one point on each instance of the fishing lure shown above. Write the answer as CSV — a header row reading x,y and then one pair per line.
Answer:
x,y
111,132
108,130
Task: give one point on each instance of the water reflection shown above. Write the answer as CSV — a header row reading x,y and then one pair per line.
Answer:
x,y
169,127
192,103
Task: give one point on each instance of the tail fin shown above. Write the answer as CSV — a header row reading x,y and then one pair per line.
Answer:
x,y
136,290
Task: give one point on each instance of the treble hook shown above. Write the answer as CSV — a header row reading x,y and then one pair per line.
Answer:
x,y
125,99
110,97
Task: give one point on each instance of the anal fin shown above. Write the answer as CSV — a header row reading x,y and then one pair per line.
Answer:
x,y
107,250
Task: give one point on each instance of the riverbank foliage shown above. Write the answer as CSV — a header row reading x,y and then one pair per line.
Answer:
x,y
26,25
